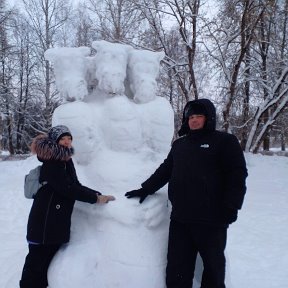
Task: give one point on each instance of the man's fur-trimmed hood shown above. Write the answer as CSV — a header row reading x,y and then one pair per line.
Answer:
x,y
46,149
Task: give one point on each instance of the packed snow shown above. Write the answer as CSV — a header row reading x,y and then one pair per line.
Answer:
x,y
121,132
256,249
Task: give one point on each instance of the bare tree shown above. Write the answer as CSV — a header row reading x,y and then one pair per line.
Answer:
x,y
46,17
273,75
232,34
115,20
85,31
26,119
185,18
6,73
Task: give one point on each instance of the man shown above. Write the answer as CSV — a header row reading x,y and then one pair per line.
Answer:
x,y
206,172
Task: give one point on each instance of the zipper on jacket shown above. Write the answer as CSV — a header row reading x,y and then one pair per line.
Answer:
x,y
46,218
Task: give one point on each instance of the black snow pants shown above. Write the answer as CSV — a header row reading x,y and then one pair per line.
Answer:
x,y
185,241
34,274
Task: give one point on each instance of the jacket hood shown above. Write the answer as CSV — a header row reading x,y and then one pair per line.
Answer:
x,y
208,107
47,149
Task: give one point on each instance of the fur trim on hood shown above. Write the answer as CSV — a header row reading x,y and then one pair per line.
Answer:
x,y
46,149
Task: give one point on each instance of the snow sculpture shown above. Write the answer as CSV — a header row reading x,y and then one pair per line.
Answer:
x,y
120,138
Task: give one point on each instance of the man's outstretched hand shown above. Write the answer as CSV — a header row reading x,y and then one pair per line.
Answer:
x,y
142,193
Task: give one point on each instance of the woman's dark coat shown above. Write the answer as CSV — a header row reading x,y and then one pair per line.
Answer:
x,y
206,172
50,215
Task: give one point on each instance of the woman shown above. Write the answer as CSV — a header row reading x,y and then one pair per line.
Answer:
x,y
50,216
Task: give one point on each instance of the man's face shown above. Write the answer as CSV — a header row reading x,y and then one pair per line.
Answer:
x,y
196,121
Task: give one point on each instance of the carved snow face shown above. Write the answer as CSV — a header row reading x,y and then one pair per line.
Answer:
x,y
110,81
143,68
70,70
111,65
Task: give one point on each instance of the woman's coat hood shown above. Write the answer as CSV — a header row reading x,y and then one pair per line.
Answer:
x,y
47,149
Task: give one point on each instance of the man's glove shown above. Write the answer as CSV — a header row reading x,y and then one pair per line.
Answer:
x,y
229,215
142,193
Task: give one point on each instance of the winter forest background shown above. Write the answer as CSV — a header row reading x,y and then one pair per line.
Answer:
x,y
234,52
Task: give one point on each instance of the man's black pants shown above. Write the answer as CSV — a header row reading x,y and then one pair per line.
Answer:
x,y
185,241
34,274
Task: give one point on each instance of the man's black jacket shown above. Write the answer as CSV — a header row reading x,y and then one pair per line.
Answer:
x,y
206,172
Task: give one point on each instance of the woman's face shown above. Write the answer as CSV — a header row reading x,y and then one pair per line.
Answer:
x,y
65,141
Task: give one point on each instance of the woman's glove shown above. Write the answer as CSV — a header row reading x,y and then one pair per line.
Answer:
x,y
142,193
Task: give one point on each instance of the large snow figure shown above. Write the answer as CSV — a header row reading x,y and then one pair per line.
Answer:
x,y
121,132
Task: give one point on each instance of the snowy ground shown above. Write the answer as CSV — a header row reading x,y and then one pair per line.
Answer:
x,y
257,242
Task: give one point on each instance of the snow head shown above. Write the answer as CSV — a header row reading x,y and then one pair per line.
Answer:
x,y
143,69
70,70
111,62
